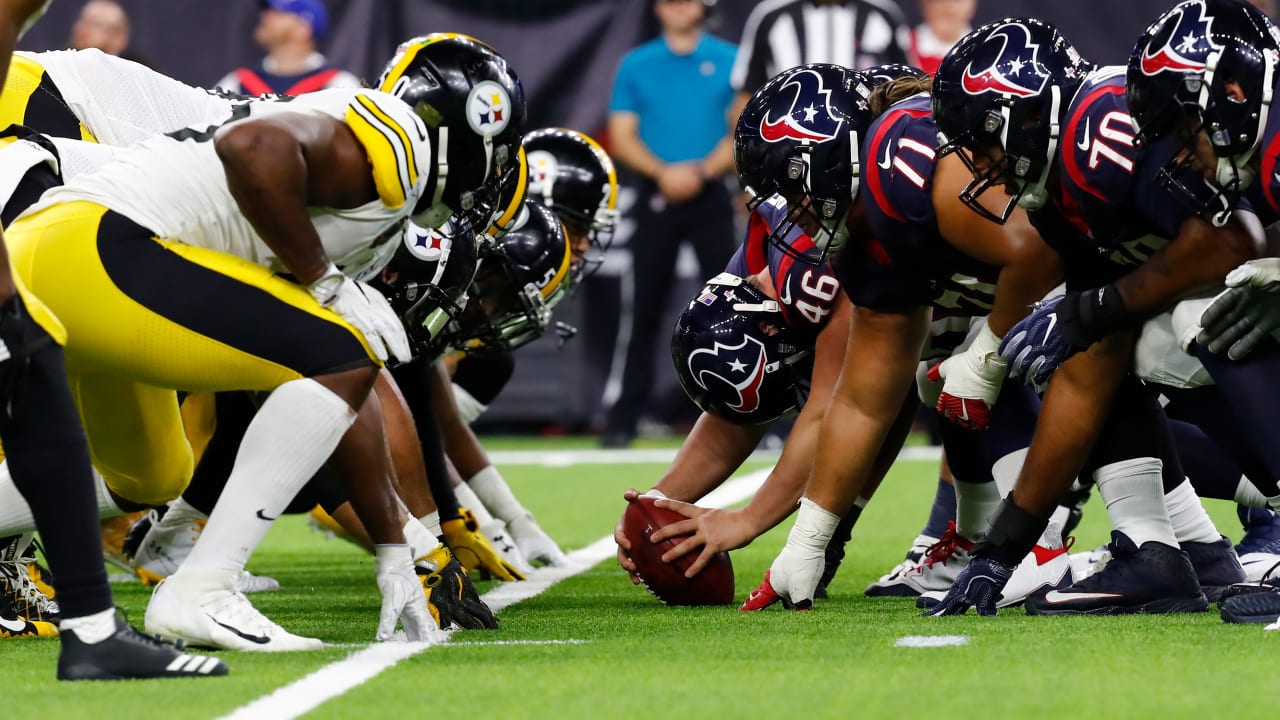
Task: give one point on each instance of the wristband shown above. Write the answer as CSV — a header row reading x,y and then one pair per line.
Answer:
x,y
1089,316
325,289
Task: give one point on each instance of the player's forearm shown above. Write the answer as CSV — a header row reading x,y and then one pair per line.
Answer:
x,y
406,453
460,443
627,148
781,492
1029,275
710,454
373,497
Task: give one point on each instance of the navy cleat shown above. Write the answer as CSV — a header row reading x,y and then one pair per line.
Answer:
x,y
128,654
1155,578
1259,549
1262,606
1216,565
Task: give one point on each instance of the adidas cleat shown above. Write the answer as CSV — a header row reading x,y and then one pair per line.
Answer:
x,y
204,609
1216,566
129,654
893,583
1155,578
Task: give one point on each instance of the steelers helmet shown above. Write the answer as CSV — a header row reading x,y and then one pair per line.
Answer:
x,y
473,106
571,174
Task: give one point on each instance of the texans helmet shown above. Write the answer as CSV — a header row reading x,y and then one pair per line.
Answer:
x,y
522,279
734,357
882,74
798,137
1004,89
1211,65
427,282
571,174
473,106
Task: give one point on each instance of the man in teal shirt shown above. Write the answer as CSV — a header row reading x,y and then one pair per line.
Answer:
x,y
669,124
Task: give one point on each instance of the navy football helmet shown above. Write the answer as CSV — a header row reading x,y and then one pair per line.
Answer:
x,y
571,174
798,137
881,74
1205,65
734,357
1006,87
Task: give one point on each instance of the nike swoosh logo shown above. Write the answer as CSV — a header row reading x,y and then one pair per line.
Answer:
x,y
884,164
255,639
264,517
1276,178
1058,596
12,625
1084,142
785,295
1053,320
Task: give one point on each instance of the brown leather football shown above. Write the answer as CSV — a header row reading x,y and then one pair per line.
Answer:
x,y
712,586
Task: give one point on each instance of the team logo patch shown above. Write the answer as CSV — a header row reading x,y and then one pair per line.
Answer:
x,y
1011,72
488,108
740,366
809,117
1183,44
542,172
426,245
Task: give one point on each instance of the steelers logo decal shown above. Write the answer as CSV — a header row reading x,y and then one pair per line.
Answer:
x,y
542,172
424,244
488,108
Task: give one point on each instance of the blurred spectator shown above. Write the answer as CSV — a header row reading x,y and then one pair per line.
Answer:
x,y
103,24
289,31
668,123
945,22
781,34
1266,6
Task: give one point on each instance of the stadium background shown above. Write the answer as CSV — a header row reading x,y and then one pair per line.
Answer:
x,y
566,52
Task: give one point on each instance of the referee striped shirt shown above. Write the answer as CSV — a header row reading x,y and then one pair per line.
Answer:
x,y
781,34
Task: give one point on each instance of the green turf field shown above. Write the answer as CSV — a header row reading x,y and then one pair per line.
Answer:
x,y
618,653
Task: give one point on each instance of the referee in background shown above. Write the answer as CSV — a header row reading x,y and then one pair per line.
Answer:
x,y
669,121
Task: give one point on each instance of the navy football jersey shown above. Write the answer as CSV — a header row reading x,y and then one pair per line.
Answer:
x,y
904,261
1264,194
805,290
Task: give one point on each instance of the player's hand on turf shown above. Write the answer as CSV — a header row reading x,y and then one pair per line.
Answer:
x,y
474,550
978,586
367,310
451,596
709,529
971,381
624,545
1245,314
793,577
402,598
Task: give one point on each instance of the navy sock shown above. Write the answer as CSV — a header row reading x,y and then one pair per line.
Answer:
x,y
1244,384
943,511
1213,473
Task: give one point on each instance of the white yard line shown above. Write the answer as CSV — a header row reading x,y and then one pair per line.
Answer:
x,y
309,692
931,641
565,458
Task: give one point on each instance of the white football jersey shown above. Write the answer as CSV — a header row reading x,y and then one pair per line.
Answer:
x,y
122,102
175,184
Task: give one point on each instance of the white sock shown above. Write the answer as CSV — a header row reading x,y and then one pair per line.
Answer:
x,y
432,522
91,629
15,513
496,496
468,499
1249,495
420,539
469,408
289,438
1134,493
1187,516
975,504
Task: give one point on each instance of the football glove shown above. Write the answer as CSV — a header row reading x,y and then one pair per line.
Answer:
x,y
451,597
367,310
500,538
1058,328
474,550
972,381
978,586
1246,313
793,577
402,599
534,544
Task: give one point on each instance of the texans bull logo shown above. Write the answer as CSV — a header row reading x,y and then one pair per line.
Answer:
x,y
1183,44
809,118
1015,70
703,363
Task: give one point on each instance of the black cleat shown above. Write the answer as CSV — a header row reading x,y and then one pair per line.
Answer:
x,y
1155,578
1216,566
1251,607
129,654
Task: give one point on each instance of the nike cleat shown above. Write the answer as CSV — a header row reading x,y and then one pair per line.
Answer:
x,y
204,609
169,540
1259,549
14,626
1089,562
894,583
129,654
22,582
1155,578
1216,566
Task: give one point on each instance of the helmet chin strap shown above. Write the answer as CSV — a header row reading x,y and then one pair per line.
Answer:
x,y
1035,195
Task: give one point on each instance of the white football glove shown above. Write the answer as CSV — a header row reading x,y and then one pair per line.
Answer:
x,y
402,596
535,545
366,309
972,381
1246,313
793,576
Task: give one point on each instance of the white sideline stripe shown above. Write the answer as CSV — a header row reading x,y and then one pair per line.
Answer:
x,y
307,693
570,641
565,458
929,641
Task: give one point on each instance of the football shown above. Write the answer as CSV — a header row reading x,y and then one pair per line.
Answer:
x,y
712,586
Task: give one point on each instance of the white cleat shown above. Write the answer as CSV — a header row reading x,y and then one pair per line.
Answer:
x,y
497,533
1090,562
169,541
937,569
535,545
1259,566
892,583
203,609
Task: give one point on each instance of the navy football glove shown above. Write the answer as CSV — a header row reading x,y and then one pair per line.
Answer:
x,y
1058,328
978,586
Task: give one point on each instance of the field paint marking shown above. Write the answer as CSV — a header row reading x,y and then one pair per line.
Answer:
x,y
481,643
930,641
565,458
309,692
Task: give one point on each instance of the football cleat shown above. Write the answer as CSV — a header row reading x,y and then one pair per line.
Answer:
x,y
535,545
204,609
473,549
13,626
451,596
1216,566
129,654
1089,562
940,566
22,582
168,541
1261,606
893,583
497,533
1155,578
1259,549
115,536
